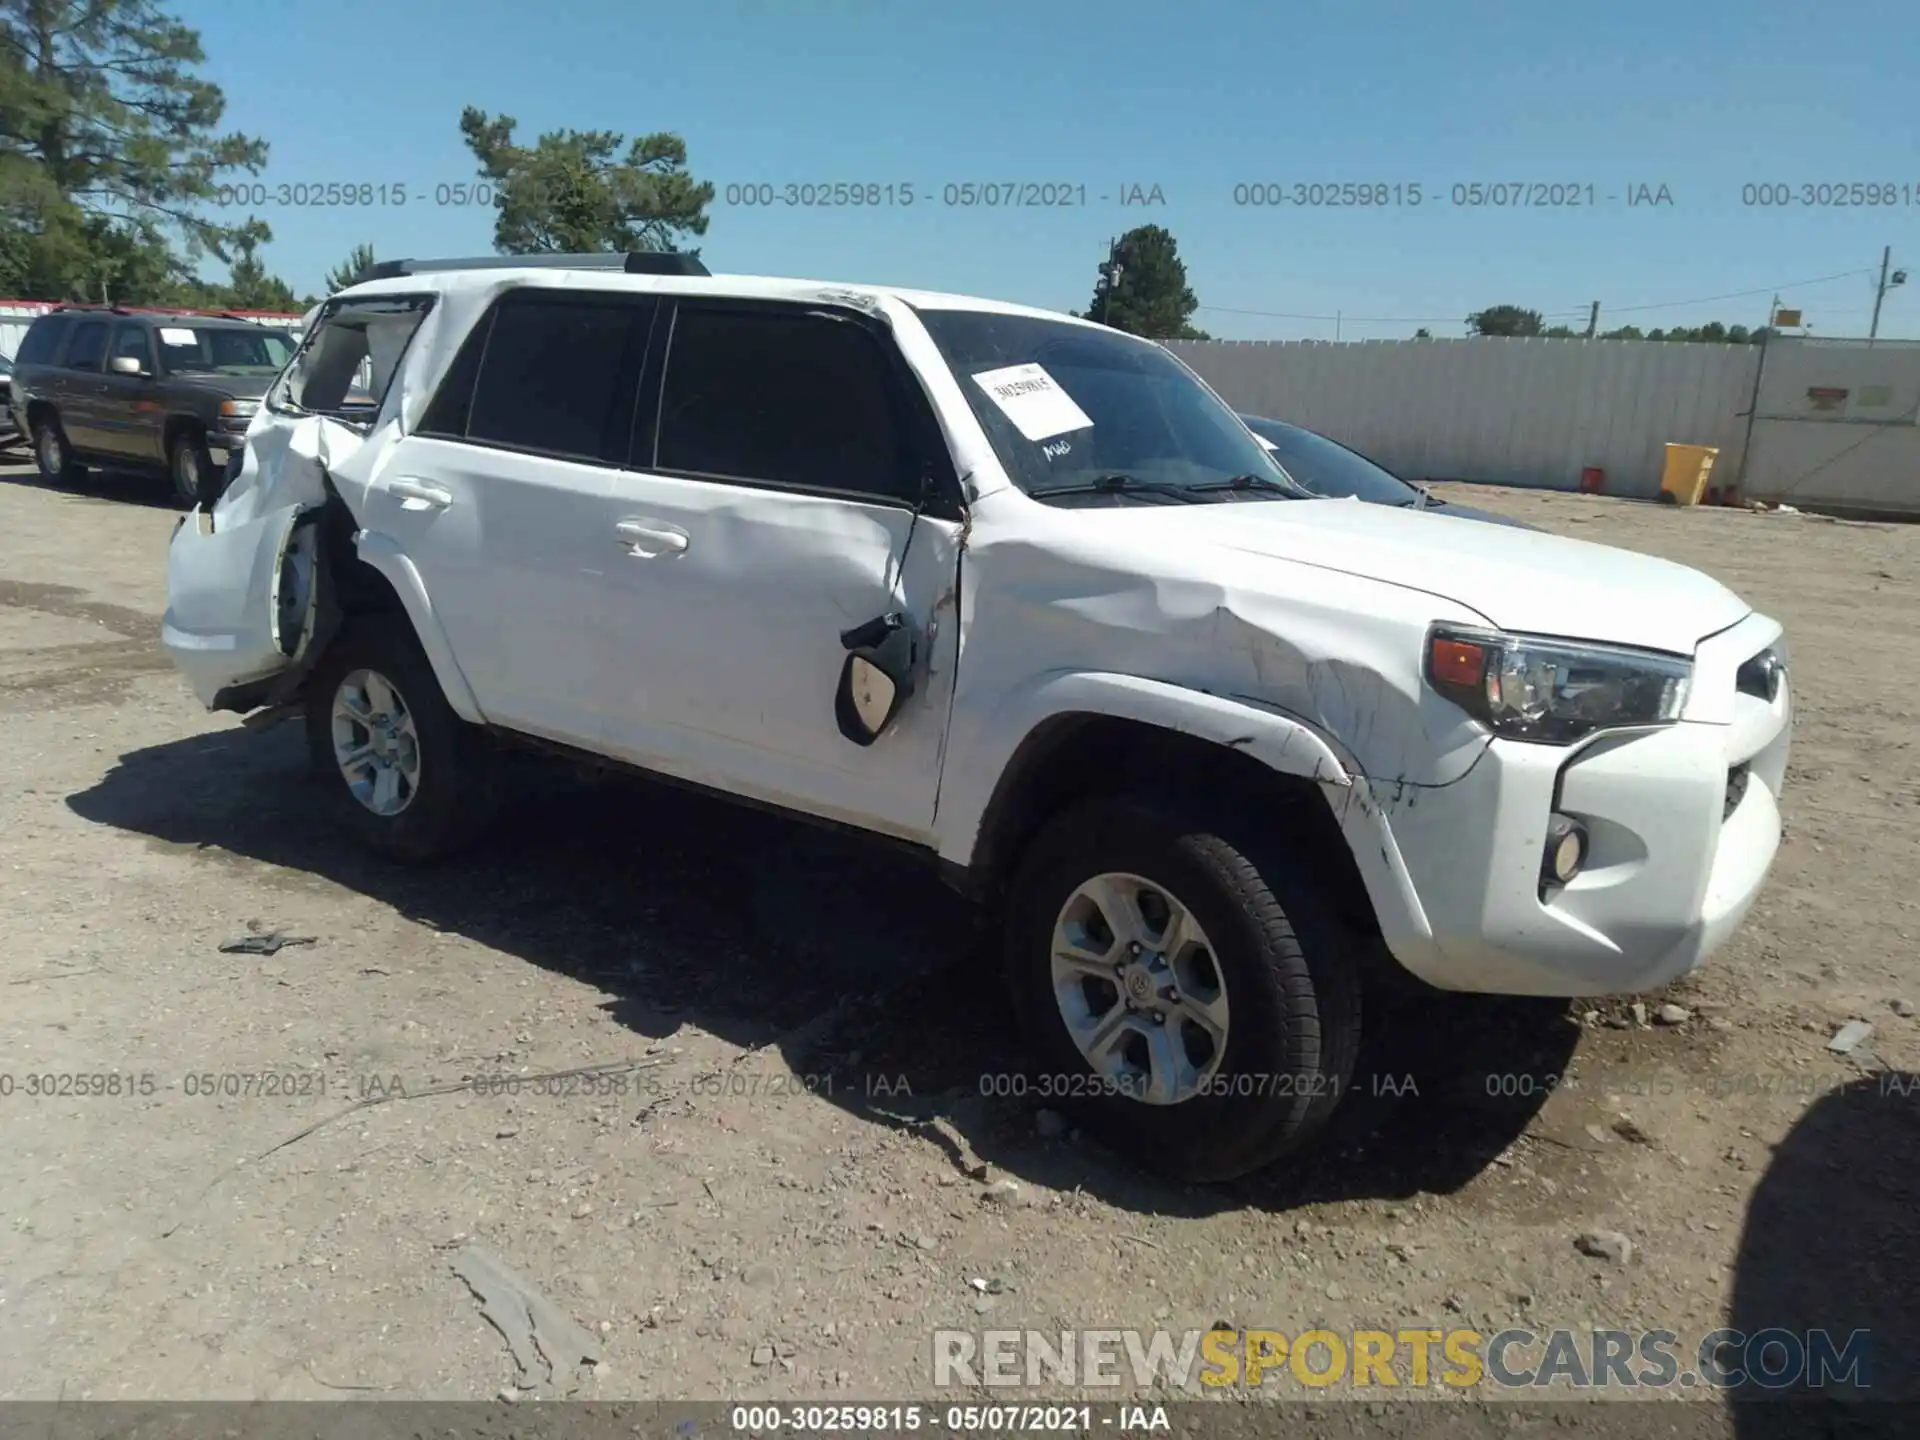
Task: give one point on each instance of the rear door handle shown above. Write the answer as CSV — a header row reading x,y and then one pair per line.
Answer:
x,y
418,495
646,539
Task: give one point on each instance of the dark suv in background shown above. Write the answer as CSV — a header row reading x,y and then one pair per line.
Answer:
x,y
131,390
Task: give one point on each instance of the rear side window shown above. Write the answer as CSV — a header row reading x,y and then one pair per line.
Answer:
x,y
89,345
559,374
43,339
348,359
782,397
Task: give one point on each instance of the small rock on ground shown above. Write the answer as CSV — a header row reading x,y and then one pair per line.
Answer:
x,y
1605,1245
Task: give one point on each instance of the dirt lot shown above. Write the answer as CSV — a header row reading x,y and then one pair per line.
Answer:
x,y
783,1193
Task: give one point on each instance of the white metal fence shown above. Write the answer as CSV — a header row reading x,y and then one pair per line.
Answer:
x,y
1530,412
1838,427
17,315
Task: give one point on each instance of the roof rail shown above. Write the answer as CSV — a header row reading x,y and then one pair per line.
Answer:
x,y
635,262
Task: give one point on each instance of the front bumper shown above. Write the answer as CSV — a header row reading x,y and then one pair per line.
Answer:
x,y
1684,822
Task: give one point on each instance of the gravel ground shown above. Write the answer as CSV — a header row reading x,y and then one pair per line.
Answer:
x,y
794,1176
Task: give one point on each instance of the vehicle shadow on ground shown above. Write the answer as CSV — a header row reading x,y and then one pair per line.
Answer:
x,y
1831,1244
854,960
120,487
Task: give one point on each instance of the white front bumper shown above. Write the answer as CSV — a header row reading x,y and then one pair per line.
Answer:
x,y
222,594
1669,875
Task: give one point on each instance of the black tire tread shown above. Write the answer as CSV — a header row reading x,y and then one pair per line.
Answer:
x,y
459,762
1308,954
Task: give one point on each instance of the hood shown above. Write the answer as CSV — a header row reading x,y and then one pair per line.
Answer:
x,y
1522,580
234,387
1454,510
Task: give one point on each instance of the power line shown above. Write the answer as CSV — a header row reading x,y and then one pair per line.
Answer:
x,y
1738,294
1545,314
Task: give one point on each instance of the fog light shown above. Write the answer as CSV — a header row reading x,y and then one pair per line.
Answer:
x,y
1566,849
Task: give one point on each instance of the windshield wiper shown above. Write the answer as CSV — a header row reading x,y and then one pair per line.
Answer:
x,y
1122,484
1249,482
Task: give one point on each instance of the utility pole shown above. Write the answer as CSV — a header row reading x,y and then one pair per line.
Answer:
x,y
1336,326
1593,320
1899,277
1109,279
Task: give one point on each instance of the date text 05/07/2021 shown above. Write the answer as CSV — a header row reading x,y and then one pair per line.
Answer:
x,y
911,1418
1456,195
793,195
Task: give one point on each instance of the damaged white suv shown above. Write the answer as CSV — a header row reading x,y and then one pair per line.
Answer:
x,y
1018,591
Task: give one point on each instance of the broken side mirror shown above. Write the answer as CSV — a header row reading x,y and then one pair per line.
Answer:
x,y
876,678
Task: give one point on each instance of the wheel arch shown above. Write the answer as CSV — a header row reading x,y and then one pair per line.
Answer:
x,y
1086,734
381,577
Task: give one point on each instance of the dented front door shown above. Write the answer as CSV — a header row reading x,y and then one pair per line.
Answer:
x,y
719,642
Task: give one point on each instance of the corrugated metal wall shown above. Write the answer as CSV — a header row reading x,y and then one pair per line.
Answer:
x,y
1507,411
1839,427
17,315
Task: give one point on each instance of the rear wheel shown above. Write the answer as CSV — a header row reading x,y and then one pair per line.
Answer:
x,y
190,466
52,454
415,780
1182,987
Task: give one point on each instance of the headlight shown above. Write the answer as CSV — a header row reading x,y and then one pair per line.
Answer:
x,y
239,409
1554,691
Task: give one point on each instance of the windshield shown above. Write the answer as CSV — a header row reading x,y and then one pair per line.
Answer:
x,y
224,350
1065,405
1330,469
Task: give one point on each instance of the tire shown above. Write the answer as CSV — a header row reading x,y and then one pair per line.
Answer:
x,y
52,454
451,794
1288,968
190,466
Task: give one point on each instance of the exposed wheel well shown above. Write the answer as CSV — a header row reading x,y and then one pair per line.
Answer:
x,y
176,426
1071,757
37,410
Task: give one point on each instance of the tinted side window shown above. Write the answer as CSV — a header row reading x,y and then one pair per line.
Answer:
x,y
131,340
89,345
782,397
556,377
453,401
43,340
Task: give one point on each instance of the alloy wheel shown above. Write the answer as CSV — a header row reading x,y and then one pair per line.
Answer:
x,y
1139,988
375,743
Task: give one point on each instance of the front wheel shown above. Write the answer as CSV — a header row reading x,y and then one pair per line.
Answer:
x,y
415,780
1182,987
190,466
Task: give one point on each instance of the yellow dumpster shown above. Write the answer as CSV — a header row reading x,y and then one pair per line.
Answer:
x,y
1684,481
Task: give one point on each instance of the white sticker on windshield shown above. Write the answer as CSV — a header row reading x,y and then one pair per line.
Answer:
x,y
172,335
1034,401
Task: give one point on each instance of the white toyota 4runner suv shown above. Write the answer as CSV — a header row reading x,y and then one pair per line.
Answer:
x,y
1019,592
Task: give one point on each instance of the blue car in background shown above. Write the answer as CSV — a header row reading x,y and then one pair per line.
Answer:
x,y
1329,469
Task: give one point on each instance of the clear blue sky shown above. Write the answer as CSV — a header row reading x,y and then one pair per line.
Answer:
x,y
1194,96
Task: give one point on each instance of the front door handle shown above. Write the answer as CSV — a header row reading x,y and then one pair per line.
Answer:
x,y
645,539
418,495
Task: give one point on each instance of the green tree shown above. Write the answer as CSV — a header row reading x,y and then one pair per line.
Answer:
x,y
350,269
574,191
1624,332
252,288
1423,333
1505,320
110,150
1151,297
